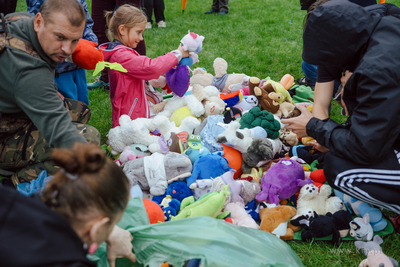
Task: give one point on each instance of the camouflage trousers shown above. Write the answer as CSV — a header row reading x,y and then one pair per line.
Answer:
x,y
26,152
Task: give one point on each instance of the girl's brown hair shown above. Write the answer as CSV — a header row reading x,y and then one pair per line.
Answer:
x,y
311,9
89,182
126,15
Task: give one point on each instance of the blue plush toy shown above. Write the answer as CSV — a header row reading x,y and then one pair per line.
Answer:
x,y
208,166
360,208
170,202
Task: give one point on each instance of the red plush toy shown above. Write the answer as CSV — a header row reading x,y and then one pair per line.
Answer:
x,y
86,55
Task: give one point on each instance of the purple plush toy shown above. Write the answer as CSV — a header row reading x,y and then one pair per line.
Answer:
x,y
178,79
282,181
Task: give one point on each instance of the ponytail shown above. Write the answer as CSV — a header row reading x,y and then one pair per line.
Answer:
x,y
88,181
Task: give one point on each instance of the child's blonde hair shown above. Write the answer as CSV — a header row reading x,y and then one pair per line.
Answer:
x,y
126,15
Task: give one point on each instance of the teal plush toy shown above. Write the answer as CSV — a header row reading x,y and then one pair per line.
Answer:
x,y
209,205
360,208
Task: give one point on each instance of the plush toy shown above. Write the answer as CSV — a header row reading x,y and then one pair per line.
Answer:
x,y
155,172
161,82
318,201
192,42
302,93
255,117
231,99
234,158
320,226
278,88
240,140
361,229
126,155
373,246
267,97
232,114
376,258
154,211
209,205
250,190
287,81
342,219
287,110
213,126
209,97
259,152
168,107
247,103
282,181
166,127
239,215
360,208
222,80
86,55
242,86
288,138
208,166
306,153
140,150
275,220
133,131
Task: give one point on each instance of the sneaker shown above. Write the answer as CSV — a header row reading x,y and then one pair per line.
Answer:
x,y
223,13
211,11
148,25
395,220
161,24
98,83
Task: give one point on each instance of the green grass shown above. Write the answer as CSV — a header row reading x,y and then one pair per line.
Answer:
x,y
257,39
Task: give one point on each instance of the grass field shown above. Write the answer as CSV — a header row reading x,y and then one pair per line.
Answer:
x,y
259,38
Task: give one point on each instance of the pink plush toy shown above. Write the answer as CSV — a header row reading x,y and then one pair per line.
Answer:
x,y
282,181
126,155
376,258
240,216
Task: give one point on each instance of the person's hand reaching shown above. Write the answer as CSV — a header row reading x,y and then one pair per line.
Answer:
x,y
298,124
119,245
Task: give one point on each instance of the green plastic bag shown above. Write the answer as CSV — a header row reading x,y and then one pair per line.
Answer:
x,y
215,242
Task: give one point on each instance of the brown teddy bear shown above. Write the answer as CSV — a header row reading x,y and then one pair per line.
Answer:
x,y
267,97
272,218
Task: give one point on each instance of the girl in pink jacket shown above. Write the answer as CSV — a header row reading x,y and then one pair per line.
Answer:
x,y
127,90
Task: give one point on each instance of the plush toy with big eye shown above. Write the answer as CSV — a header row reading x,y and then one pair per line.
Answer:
x,y
194,141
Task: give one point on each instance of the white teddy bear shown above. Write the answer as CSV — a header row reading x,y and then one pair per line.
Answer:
x,y
166,127
320,202
133,131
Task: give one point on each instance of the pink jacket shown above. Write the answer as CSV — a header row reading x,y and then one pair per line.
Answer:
x,y
127,90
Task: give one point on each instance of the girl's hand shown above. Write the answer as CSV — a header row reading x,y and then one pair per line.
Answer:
x,y
184,53
298,124
318,147
119,244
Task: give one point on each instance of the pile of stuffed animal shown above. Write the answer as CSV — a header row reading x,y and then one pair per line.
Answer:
x,y
220,150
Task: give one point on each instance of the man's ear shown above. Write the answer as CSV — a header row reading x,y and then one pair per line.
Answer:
x,y
38,22
94,231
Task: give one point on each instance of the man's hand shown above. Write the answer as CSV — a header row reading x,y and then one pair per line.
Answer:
x,y
318,147
119,245
298,124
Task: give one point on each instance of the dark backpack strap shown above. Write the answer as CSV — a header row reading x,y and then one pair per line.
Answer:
x,y
12,41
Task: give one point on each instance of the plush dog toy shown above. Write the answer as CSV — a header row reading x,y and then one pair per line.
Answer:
x,y
361,229
376,258
373,246
275,220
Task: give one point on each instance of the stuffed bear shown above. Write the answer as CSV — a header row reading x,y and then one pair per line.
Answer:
x,y
282,181
166,127
288,138
320,226
209,97
155,172
318,201
275,220
267,97
133,131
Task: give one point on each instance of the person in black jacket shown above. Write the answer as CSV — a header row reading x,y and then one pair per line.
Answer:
x,y
363,159
76,212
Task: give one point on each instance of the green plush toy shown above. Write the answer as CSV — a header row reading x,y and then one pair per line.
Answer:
x,y
302,93
209,205
279,89
255,117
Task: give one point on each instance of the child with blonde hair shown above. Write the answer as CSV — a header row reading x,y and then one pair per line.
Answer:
x,y
127,90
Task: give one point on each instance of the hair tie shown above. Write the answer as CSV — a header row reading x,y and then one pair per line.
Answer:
x,y
69,175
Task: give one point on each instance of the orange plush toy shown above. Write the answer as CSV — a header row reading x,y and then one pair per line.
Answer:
x,y
86,55
154,211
